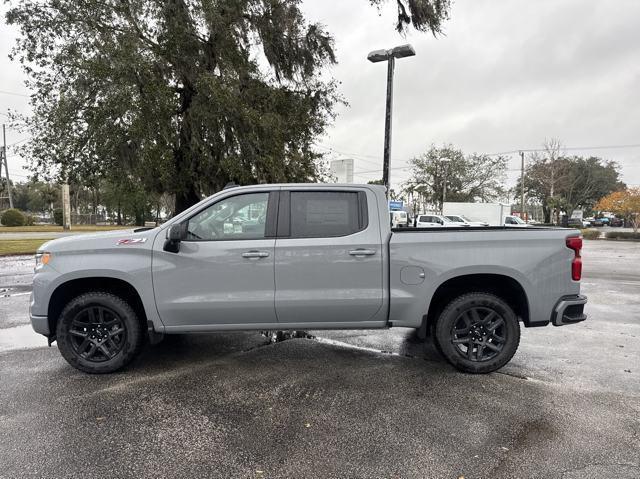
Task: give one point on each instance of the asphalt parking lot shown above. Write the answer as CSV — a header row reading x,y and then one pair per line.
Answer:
x,y
349,404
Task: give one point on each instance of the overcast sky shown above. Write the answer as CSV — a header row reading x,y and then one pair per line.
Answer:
x,y
505,76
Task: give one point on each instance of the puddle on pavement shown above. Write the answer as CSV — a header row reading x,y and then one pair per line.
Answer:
x,y
21,337
279,336
11,292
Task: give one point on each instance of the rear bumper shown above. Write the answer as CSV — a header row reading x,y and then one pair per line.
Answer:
x,y
569,310
40,324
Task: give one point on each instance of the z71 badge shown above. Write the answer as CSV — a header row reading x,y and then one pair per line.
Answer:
x,y
129,241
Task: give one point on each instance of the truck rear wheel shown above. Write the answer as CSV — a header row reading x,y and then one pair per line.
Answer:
x,y
477,333
98,333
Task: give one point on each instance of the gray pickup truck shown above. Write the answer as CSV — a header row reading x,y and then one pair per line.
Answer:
x,y
303,256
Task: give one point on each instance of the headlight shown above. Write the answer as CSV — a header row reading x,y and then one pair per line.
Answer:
x,y
42,258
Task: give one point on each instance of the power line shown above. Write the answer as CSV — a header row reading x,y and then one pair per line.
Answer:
x,y
357,156
509,152
14,93
18,175
568,148
503,153
20,141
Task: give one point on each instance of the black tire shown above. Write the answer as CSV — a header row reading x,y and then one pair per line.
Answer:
x,y
477,333
99,333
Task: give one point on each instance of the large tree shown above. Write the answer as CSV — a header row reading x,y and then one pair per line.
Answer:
x,y
566,183
180,95
468,177
625,203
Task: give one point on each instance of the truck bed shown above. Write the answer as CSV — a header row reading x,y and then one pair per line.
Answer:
x,y
535,257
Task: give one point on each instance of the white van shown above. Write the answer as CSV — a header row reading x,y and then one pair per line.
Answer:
x,y
398,219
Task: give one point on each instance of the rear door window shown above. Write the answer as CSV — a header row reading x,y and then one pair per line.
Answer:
x,y
316,214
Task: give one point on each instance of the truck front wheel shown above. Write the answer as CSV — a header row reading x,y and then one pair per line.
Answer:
x,y
477,333
98,332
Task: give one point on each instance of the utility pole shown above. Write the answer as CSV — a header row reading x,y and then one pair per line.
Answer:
x,y
6,165
522,186
445,162
66,207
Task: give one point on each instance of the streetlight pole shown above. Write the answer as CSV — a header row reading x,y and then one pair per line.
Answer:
x,y
390,57
391,63
523,216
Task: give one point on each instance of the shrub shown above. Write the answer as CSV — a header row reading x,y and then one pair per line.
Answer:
x,y
627,235
590,234
29,220
13,217
57,216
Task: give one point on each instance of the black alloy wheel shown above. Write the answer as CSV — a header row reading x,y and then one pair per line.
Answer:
x,y
99,332
477,332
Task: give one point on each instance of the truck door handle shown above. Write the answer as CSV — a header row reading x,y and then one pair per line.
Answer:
x,y
255,254
362,252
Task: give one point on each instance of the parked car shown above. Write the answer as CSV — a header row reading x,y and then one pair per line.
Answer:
x,y
399,219
597,222
616,222
434,221
575,223
324,257
514,221
462,220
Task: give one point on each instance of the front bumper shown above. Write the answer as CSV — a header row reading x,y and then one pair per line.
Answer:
x,y
569,310
40,324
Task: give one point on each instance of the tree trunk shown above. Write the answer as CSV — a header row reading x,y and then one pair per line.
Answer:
x,y
547,214
186,199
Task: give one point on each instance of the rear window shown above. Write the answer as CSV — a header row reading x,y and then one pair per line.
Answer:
x,y
326,213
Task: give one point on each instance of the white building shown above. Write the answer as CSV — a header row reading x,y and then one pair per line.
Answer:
x,y
342,170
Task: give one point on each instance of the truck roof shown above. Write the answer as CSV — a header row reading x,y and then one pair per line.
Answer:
x,y
311,185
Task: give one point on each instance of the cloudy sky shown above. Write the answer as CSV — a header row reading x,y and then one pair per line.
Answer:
x,y
505,76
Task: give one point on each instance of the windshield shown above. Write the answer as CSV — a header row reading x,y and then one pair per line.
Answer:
x,y
457,219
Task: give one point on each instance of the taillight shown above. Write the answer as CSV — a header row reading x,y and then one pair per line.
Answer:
x,y
575,243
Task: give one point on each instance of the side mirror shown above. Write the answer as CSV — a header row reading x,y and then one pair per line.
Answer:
x,y
175,235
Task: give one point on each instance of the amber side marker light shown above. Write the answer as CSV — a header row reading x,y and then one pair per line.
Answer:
x,y
43,258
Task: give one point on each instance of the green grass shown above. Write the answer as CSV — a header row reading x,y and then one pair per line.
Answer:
x,y
21,246
58,229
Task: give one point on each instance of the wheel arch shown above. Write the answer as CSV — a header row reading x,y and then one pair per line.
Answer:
x,y
505,287
72,288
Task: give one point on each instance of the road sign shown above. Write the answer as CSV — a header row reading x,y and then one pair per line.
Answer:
x,y
395,205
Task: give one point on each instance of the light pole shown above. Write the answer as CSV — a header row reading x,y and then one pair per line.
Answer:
x,y
444,162
390,57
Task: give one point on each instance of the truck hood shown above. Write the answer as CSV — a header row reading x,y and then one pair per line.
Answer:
x,y
101,241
